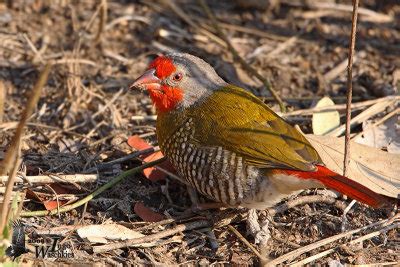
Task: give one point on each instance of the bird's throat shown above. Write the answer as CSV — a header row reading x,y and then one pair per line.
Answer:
x,y
166,98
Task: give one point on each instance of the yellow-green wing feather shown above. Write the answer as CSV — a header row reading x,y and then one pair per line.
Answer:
x,y
240,122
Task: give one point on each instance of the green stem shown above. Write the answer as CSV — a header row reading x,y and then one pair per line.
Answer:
x,y
97,192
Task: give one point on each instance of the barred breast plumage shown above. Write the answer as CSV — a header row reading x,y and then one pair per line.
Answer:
x,y
216,172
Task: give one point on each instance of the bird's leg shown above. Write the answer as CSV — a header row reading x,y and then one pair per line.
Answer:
x,y
259,231
197,206
194,198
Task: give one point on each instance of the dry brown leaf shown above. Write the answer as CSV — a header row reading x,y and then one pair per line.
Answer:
x,y
372,167
385,135
107,231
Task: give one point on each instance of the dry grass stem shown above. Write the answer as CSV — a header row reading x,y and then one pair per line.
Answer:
x,y
363,116
247,243
358,105
236,56
350,86
102,20
295,253
302,201
354,241
371,15
53,178
338,69
5,210
2,100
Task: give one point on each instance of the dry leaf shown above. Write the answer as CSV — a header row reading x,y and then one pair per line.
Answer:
x,y
151,173
138,143
147,214
385,135
101,232
42,198
372,167
325,121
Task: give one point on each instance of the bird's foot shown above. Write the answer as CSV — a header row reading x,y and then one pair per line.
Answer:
x,y
258,230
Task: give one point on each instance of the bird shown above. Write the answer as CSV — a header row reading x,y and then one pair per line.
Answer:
x,y
228,144
17,247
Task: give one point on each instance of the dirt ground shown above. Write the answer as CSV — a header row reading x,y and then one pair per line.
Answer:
x,y
86,113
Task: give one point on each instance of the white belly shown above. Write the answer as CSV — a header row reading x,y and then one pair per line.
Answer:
x,y
276,188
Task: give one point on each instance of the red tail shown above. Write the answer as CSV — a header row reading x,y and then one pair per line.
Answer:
x,y
343,185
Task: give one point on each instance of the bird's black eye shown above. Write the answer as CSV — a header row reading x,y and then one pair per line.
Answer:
x,y
178,76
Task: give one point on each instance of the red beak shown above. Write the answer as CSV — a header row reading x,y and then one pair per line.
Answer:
x,y
147,81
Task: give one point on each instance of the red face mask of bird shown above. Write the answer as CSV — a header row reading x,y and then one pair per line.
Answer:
x,y
173,83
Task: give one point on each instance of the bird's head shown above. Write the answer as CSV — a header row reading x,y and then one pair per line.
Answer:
x,y
177,81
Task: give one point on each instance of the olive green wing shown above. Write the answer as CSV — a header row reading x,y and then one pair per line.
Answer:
x,y
238,121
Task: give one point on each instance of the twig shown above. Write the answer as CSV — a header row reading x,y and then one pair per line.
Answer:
x,y
7,195
98,191
338,69
247,243
375,233
125,18
74,61
360,118
346,160
371,15
344,215
2,98
386,117
236,55
108,103
145,118
102,20
153,237
283,46
38,55
360,239
295,253
286,241
54,178
133,155
380,121
58,202
13,124
59,230
302,201
358,105
254,31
